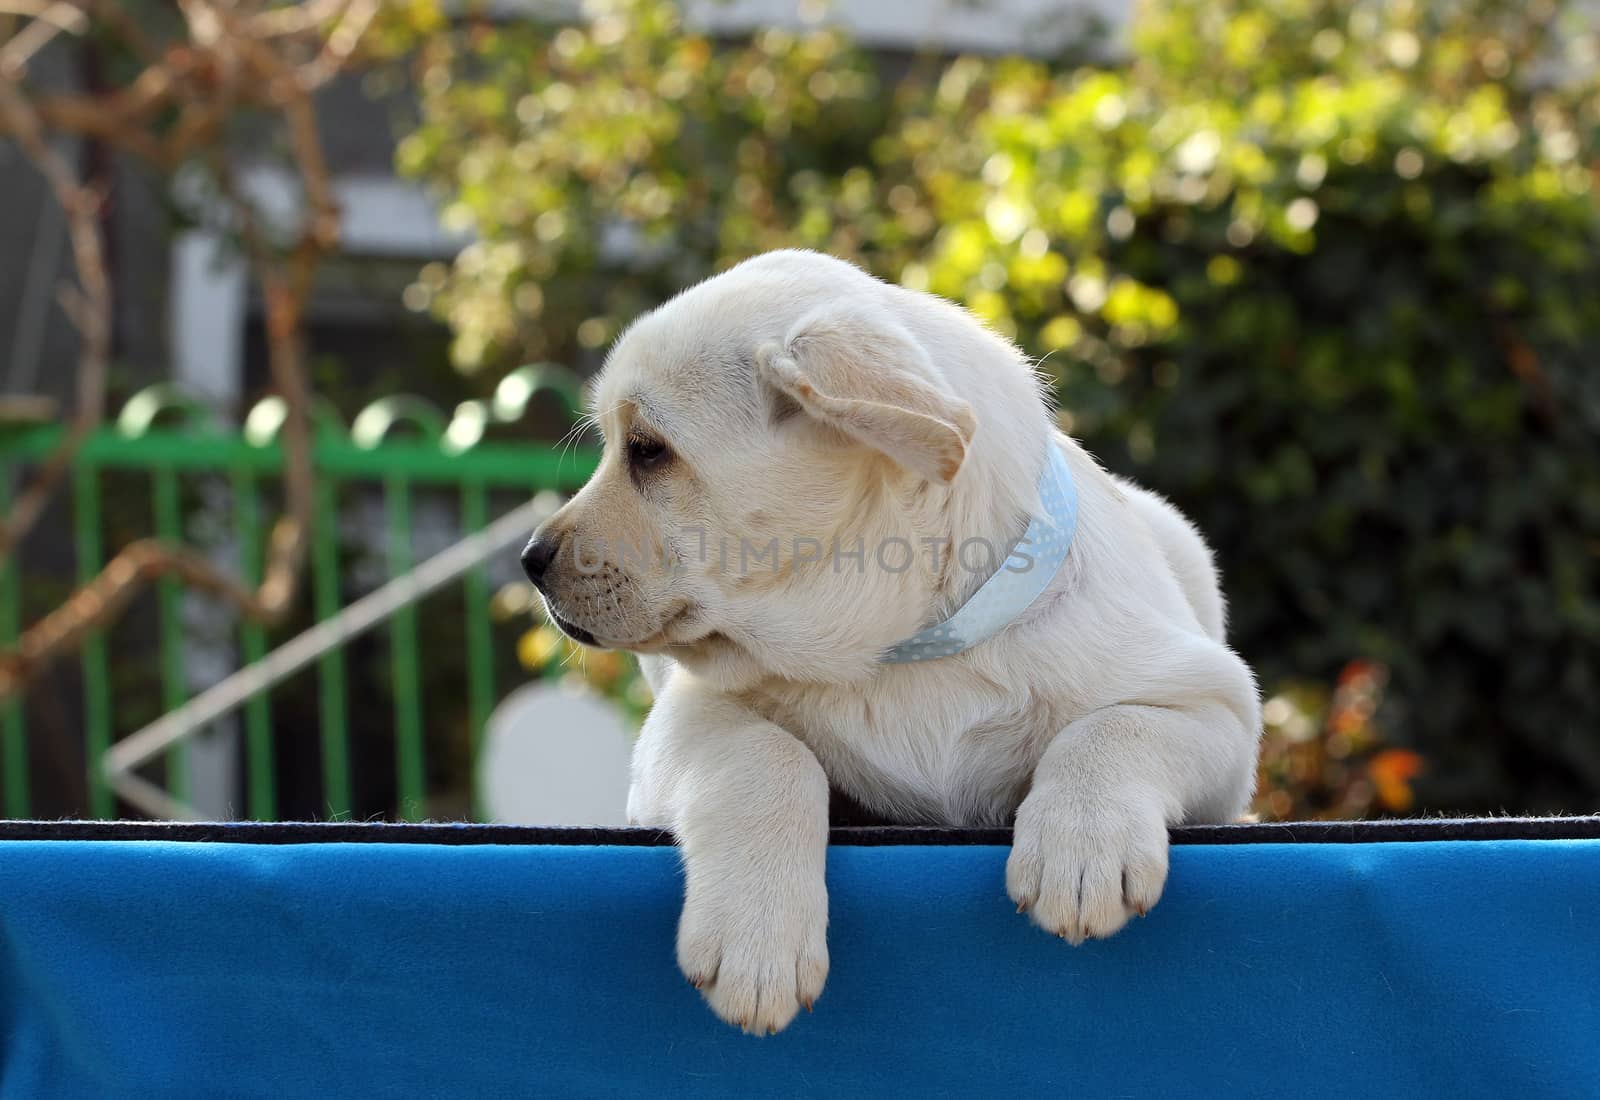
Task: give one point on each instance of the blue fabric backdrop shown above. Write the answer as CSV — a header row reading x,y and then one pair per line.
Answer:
x,y
158,969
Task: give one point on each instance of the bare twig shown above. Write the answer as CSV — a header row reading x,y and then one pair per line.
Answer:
x,y
49,20
48,10
341,44
239,54
101,600
90,308
296,20
123,117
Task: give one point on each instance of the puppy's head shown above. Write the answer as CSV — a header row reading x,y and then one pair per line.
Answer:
x,y
770,437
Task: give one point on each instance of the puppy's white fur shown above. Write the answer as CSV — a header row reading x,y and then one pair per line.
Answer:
x,y
801,399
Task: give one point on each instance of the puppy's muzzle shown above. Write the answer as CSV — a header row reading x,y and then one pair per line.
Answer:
x,y
536,558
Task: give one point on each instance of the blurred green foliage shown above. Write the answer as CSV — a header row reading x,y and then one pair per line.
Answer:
x,y
1327,273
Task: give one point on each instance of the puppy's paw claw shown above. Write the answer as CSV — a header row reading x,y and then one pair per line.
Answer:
x,y
769,960
1081,869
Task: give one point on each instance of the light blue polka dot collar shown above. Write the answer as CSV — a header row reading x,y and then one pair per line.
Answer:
x,y
1028,570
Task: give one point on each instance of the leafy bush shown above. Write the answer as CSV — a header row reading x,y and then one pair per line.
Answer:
x,y
1326,273
606,166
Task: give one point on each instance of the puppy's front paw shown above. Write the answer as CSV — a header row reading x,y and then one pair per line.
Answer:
x,y
1081,866
756,948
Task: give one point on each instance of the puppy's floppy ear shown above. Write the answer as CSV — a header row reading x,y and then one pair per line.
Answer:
x,y
865,375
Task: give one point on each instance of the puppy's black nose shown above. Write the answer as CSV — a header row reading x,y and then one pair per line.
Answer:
x,y
537,556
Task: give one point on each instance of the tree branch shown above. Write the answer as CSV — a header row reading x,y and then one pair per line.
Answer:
x,y
101,601
237,55
90,308
49,20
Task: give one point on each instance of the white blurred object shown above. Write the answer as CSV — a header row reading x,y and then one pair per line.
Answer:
x,y
1039,27
555,755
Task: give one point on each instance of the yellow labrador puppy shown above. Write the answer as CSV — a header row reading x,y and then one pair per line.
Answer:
x,y
835,517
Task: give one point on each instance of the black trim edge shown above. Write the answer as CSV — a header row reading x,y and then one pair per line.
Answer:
x,y
342,832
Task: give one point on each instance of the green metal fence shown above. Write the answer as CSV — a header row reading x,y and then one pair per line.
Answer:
x,y
398,447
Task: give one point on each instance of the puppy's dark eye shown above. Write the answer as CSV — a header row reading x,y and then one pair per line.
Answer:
x,y
645,453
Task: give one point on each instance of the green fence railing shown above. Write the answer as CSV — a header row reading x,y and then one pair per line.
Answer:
x,y
397,448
